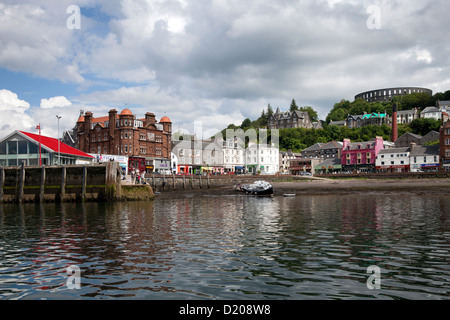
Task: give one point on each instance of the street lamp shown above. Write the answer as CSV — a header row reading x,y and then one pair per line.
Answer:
x,y
59,152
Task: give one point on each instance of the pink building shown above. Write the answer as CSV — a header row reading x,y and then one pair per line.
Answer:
x,y
360,156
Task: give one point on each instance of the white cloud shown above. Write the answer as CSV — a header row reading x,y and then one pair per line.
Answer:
x,y
224,60
13,113
58,102
9,101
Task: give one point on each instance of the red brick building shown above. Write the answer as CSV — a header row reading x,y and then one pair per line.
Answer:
x,y
444,143
146,142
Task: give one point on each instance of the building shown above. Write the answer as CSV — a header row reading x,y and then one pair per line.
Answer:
x,y
329,166
284,158
323,150
290,119
360,156
382,95
301,166
233,150
262,158
406,139
374,119
444,143
407,116
431,113
393,160
33,149
146,142
424,158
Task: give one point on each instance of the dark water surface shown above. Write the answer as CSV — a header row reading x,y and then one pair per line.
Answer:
x,y
233,247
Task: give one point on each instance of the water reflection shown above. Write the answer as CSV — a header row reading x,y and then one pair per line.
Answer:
x,y
307,247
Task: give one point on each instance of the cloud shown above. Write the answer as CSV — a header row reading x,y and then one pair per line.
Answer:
x,y
58,102
13,111
9,101
224,61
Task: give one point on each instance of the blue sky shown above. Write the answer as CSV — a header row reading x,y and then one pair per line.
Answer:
x,y
213,61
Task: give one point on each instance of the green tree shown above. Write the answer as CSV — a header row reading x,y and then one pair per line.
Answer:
x,y
246,124
312,113
293,106
423,126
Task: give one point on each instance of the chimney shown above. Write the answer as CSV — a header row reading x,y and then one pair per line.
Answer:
x,y
412,146
149,118
112,128
394,123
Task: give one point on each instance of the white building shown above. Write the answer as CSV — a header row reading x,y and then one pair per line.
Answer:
x,y
233,155
393,160
262,158
424,158
431,113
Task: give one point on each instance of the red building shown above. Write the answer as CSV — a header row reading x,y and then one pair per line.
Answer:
x,y
145,141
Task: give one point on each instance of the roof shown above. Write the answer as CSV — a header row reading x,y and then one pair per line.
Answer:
x,y
430,109
425,151
126,112
394,150
417,136
52,144
165,120
335,163
314,147
374,115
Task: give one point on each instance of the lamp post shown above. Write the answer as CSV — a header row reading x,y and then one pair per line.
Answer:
x,y
59,152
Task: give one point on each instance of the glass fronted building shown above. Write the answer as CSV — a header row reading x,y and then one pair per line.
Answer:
x,y
32,149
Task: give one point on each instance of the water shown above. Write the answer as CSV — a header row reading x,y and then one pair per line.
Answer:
x,y
233,247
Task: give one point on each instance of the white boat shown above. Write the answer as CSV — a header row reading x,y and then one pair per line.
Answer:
x,y
260,188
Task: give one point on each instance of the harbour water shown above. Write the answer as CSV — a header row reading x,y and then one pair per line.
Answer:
x,y
229,247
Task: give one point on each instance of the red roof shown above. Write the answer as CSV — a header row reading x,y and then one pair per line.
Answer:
x,y
52,144
165,120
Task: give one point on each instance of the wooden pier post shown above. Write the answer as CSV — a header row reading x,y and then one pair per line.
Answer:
x,y
200,181
2,183
209,183
173,181
83,188
21,183
63,182
42,189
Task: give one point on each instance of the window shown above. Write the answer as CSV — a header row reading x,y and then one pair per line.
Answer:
x,y
22,147
425,159
3,148
12,147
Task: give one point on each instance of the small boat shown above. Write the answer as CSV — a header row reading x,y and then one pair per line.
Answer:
x,y
259,188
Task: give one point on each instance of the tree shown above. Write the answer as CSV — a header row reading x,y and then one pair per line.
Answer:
x,y
423,126
312,113
294,106
246,123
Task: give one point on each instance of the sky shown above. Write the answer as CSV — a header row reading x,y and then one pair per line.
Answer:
x,y
210,62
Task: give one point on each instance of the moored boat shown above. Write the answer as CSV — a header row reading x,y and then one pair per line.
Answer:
x,y
260,188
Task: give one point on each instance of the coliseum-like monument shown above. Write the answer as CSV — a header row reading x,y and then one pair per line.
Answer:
x,y
388,93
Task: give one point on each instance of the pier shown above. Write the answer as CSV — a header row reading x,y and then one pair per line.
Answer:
x,y
62,183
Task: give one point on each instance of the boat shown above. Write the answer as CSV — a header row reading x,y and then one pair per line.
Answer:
x,y
259,188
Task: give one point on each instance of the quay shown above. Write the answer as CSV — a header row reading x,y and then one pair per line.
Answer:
x,y
66,183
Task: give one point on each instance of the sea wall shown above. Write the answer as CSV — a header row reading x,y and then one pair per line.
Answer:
x,y
60,183
160,183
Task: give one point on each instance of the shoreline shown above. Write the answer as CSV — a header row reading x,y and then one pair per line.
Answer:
x,y
317,187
